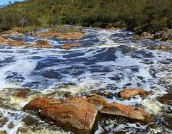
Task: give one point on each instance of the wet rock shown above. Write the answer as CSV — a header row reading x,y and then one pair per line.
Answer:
x,y
97,100
131,112
30,121
51,74
128,93
11,42
22,93
3,121
168,122
166,98
74,114
39,104
153,106
41,44
15,43
11,125
68,35
2,40
3,132
146,35
71,45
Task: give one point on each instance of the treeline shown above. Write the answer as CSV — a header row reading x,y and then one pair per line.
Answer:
x,y
137,15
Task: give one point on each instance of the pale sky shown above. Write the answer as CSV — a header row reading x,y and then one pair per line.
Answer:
x,y
2,2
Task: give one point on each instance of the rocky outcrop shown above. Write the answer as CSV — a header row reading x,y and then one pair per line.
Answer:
x,y
11,42
16,43
74,114
65,35
164,35
71,45
41,44
11,32
131,112
147,35
79,114
129,93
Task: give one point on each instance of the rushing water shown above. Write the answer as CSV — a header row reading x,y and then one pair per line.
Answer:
x,y
108,62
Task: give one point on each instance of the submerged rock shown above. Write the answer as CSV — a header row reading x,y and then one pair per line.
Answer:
x,y
74,114
131,112
128,93
71,45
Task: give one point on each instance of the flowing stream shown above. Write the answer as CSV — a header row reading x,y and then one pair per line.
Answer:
x,y
108,62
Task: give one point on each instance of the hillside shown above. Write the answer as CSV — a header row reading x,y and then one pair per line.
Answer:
x,y
137,15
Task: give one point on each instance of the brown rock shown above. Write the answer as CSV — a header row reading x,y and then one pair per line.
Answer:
x,y
74,114
166,98
11,42
15,43
3,121
71,45
128,93
39,104
68,35
146,35
168,122
22,93
3,132
2,40
42,44
11,32
30,121
131,112
97,100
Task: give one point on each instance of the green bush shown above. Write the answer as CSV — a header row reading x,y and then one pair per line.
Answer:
x,y
138,15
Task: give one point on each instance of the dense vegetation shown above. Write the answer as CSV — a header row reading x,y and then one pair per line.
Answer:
x,y
138,15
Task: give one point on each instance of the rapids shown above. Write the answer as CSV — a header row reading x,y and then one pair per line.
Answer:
x,y
108,62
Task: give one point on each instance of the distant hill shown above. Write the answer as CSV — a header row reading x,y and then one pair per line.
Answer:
x,y
137,15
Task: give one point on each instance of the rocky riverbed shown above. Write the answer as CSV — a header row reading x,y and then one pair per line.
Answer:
x,y
97,81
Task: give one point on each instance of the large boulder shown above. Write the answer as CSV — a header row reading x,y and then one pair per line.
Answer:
x,y
74,114
128,93
131,112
